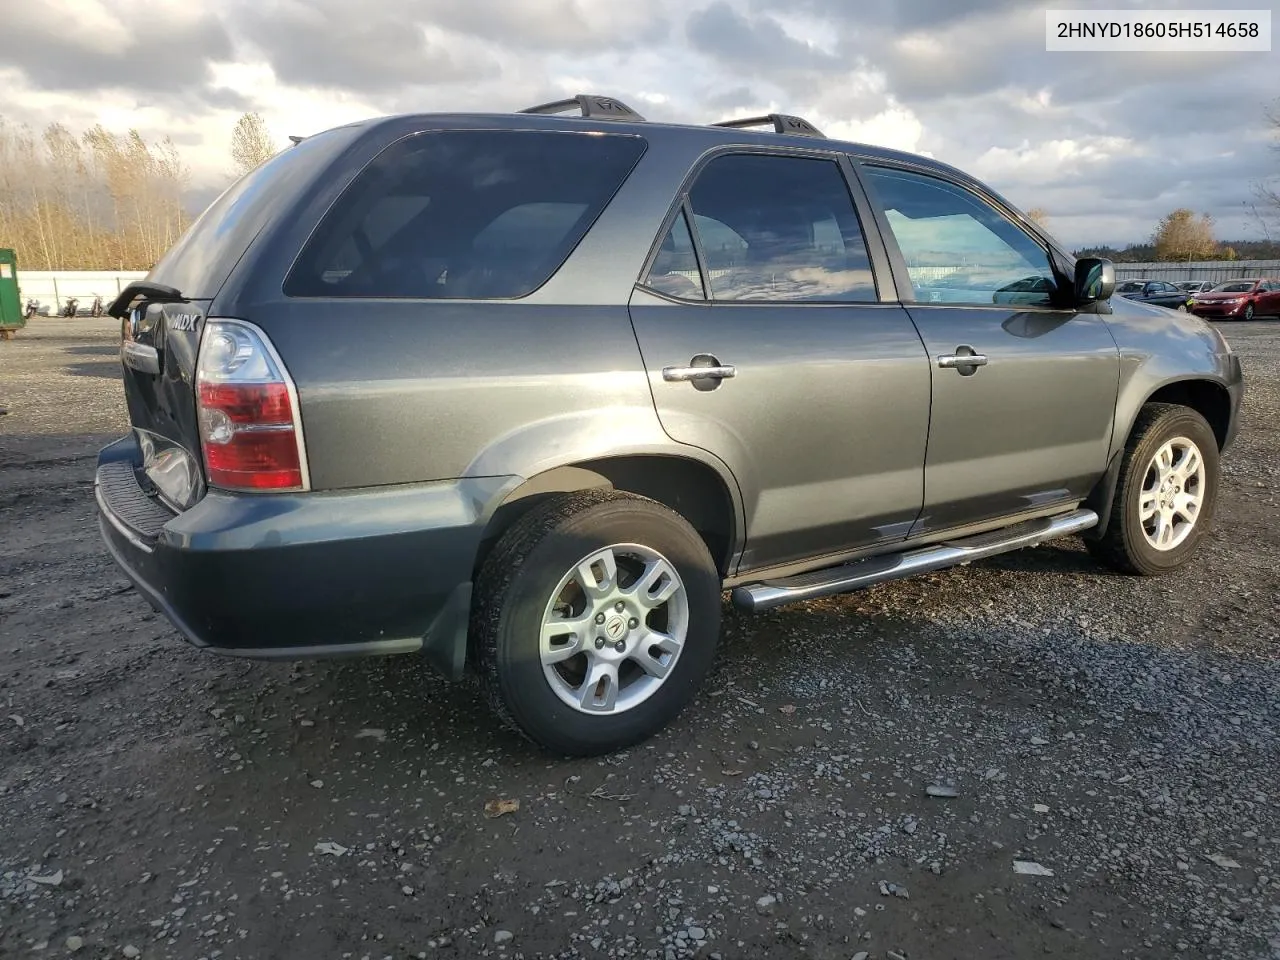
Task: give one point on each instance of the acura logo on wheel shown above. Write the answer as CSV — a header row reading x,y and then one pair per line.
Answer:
x,y
615,628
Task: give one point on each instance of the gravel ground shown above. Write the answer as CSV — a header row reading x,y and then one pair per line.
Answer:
x,y
1118,733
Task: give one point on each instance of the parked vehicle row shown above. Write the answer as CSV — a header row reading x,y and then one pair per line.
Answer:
x,y
1241,299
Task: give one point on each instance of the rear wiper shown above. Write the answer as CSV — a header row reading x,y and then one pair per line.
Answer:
x,y
154,292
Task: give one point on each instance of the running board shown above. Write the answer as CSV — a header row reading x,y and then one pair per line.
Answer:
x,y
865,573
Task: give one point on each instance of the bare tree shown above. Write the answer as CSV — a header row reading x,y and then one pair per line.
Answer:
x,y
251,143
1268,190
1183,236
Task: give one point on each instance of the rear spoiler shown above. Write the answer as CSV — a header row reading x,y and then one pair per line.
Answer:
x,y
155,292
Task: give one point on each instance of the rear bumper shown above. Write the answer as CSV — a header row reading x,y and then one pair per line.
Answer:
x,y
295,576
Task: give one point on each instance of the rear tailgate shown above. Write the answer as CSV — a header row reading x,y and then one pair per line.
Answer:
x,y
163,317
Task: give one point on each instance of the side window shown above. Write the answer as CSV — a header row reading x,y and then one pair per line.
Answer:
x,y
776,228
474,214
675,268
958,248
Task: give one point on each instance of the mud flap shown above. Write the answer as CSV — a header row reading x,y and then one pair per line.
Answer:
x,y
1102,496
445,642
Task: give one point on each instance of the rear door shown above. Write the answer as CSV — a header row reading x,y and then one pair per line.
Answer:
x,y
819,397
1024,389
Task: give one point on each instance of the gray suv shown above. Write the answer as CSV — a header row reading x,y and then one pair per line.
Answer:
x,y
524,393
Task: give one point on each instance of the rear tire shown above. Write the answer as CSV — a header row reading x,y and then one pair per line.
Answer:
x,y
1166,495
596,618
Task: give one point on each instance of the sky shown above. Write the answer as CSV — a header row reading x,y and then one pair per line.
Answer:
x,y
1107,143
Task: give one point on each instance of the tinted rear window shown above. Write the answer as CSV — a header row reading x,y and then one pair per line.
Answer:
x,y
203,257
478,215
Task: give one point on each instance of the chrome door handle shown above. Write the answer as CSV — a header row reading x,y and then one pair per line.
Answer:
x,y
684,374
951,361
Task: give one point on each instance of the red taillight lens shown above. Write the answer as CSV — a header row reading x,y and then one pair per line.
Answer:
x,y
248,425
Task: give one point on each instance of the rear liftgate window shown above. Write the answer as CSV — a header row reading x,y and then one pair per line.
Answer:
x,y
464,215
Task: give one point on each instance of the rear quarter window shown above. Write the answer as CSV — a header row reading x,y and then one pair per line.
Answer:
x,y
204,256
472,215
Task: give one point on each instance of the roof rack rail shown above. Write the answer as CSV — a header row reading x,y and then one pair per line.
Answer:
x,y
781,123
592,106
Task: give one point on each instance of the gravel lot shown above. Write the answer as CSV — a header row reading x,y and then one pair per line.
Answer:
x,y
1121,733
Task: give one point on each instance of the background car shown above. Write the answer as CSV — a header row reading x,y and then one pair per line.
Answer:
x,y
1162,293
1195,286
1239,300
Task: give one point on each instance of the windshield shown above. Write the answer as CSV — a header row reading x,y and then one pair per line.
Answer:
x,y
1239,286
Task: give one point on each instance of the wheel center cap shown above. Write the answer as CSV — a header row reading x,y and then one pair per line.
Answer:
x,y
615,628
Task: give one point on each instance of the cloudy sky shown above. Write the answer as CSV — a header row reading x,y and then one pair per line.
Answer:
x,y
1107,142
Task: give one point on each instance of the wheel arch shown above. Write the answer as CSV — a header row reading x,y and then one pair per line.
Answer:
x,y
696,490
1209,398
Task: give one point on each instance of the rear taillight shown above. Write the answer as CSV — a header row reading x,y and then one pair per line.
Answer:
x,y
250,431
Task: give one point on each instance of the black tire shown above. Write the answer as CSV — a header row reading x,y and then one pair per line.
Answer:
x,y
1124,546
1248,311
514,588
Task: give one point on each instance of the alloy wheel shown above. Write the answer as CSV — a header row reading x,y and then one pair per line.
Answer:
x,y
1173,492
613,629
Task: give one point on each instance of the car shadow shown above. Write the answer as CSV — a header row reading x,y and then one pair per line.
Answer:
x,y
103,369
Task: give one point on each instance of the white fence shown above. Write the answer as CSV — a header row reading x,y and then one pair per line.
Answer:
x,y
54,287
1213,270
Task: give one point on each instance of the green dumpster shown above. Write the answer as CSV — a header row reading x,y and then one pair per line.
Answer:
x,y
11,315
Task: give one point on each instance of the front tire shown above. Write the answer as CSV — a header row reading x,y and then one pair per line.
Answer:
x,y
1248,311
596,618
1166,495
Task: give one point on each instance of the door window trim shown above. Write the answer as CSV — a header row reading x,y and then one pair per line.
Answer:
x,y
877,254
1058,262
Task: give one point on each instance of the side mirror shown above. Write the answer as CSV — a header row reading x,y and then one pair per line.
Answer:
x,y
1095,279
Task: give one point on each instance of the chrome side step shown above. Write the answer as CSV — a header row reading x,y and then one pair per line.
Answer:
x,y
865,573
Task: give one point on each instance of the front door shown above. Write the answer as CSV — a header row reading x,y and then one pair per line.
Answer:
x,y
1024,387
818,394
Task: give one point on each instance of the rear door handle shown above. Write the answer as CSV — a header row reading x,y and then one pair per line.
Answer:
x,y
952,361
683,374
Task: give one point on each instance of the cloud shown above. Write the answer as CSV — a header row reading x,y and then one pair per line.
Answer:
x,y
149,47
756,43
369,53
1107,142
